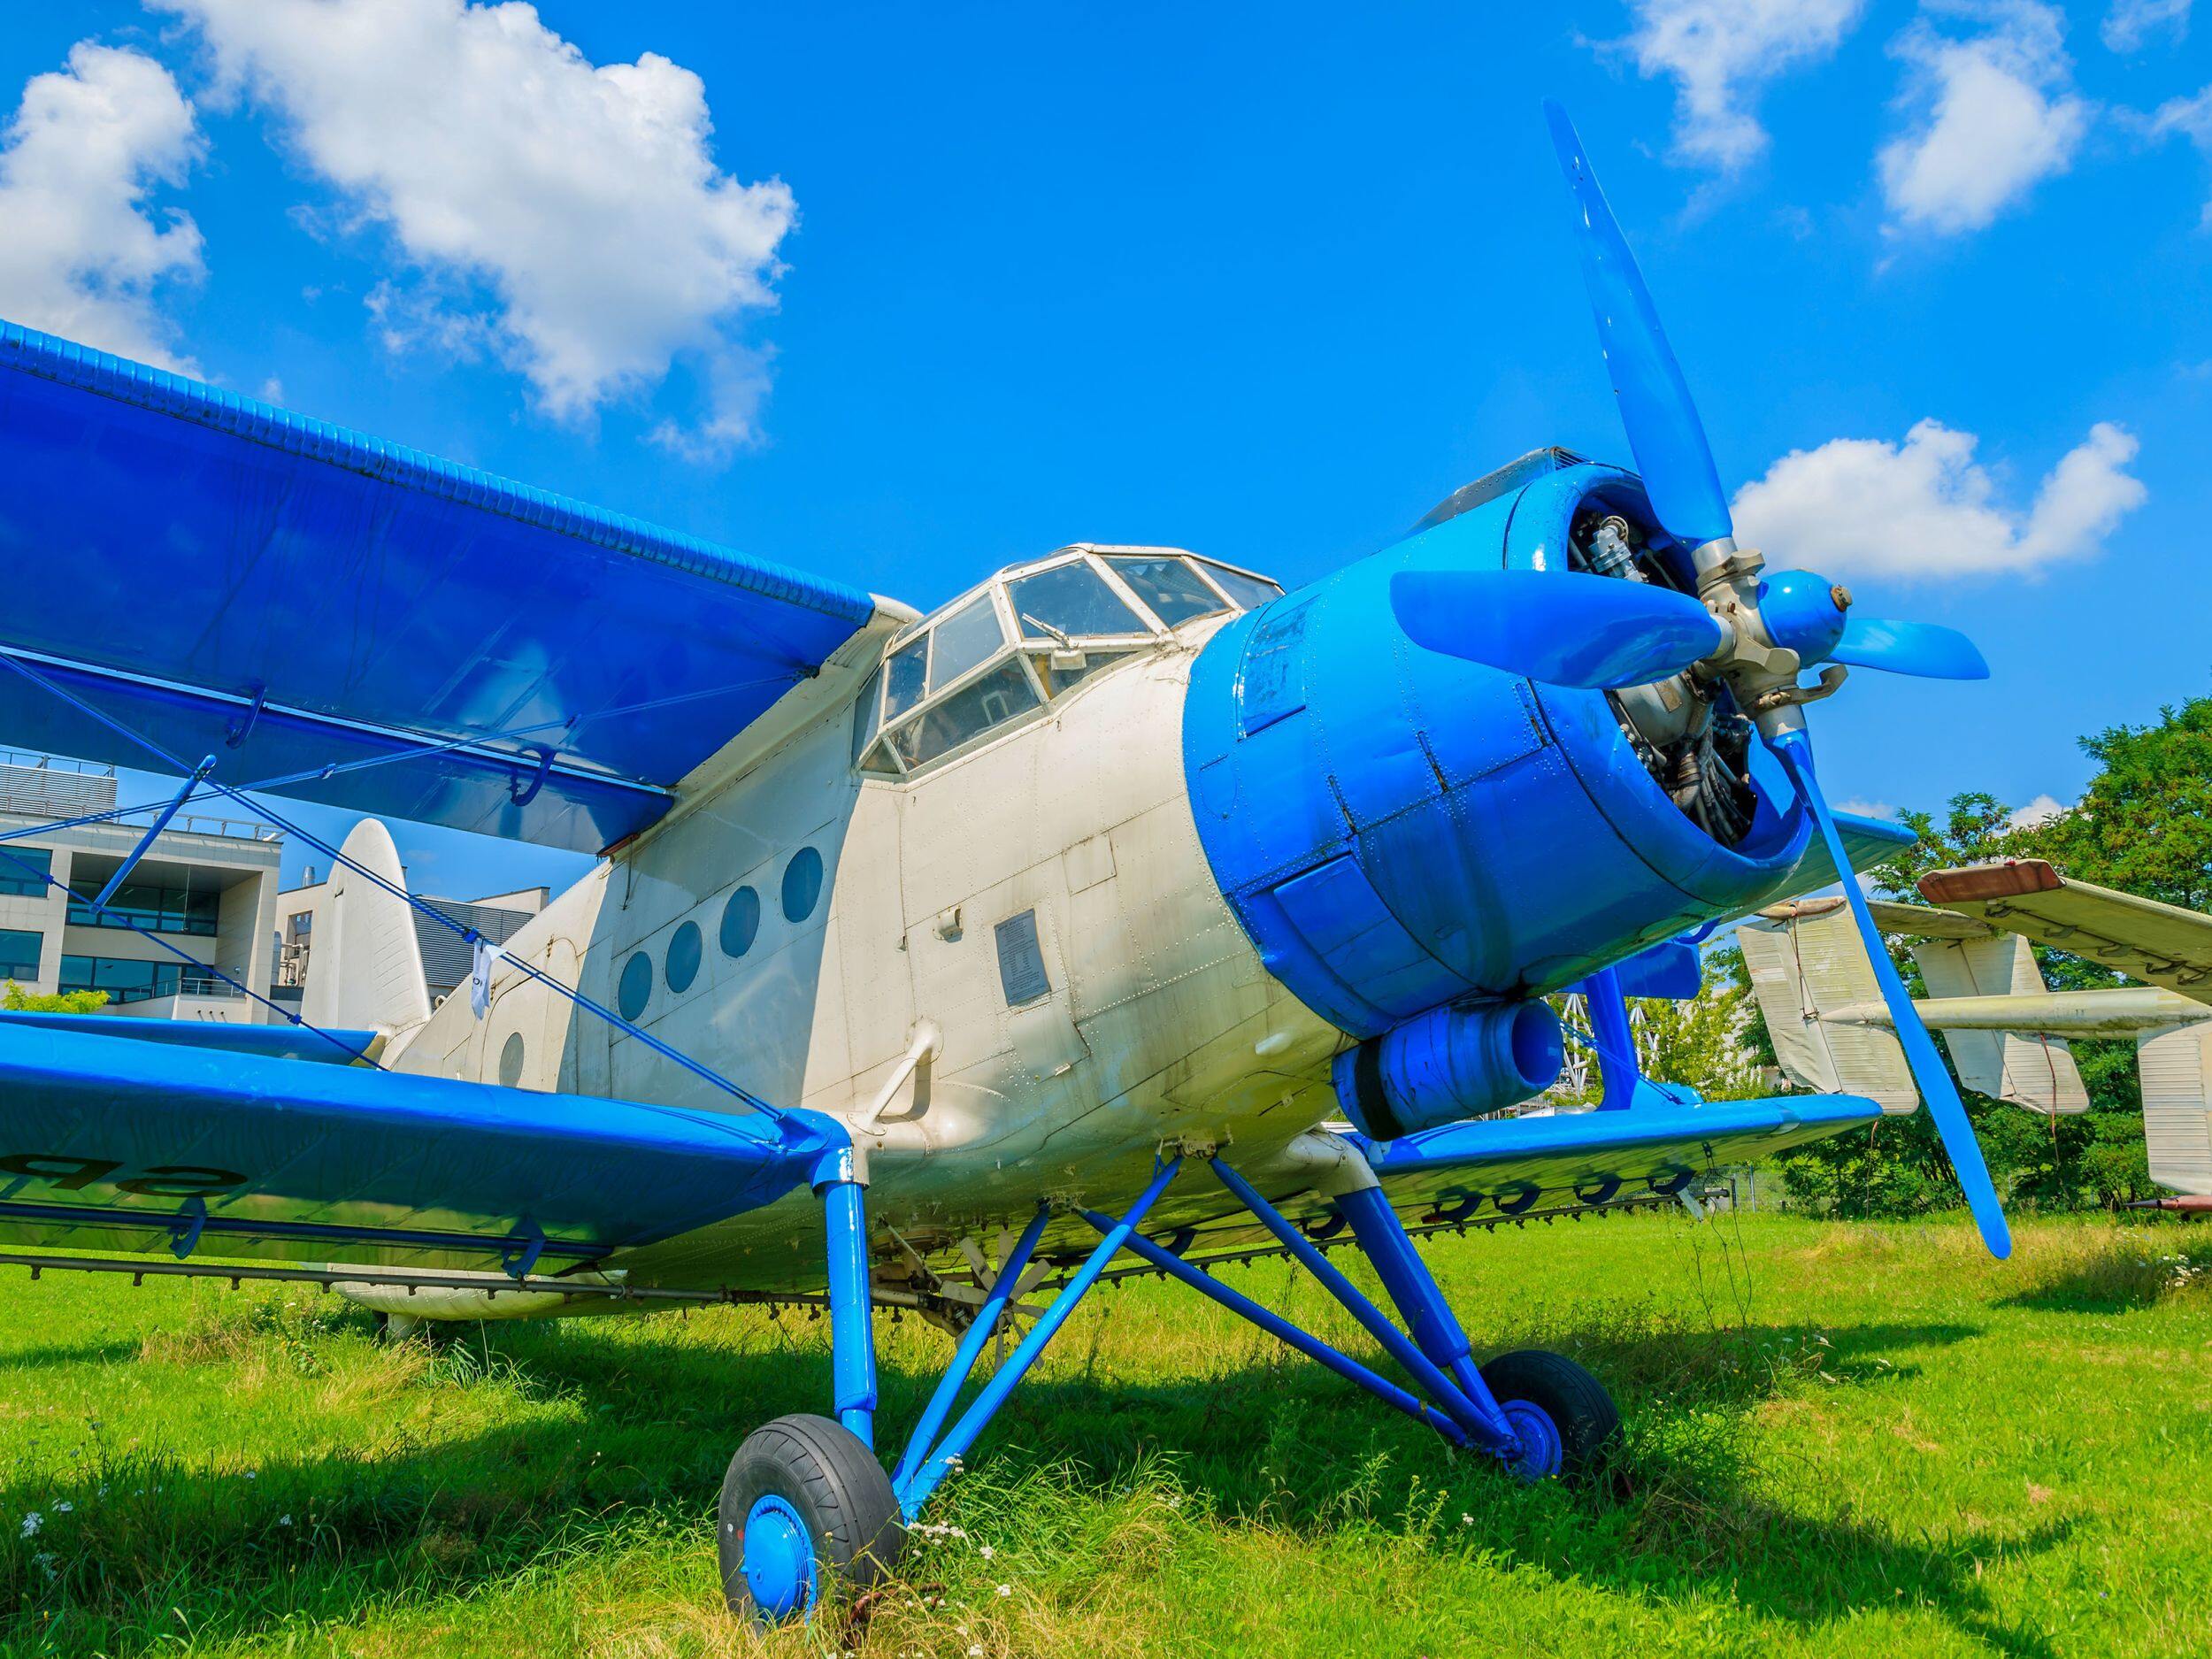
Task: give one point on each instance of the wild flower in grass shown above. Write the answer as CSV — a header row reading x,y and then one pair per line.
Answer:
x,y
1466,1519
32,1522
1006,1589
975,1650
65,1507
988,1552
284,1520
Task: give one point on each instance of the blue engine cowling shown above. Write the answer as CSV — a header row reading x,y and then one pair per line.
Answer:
x,y
1399,831
1448,1065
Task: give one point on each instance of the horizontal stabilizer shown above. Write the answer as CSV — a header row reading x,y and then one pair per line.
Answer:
x,y
1809,965
234,579
108,1143
2029,1069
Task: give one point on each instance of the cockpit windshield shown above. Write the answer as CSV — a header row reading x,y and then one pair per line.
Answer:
x,y
1031,633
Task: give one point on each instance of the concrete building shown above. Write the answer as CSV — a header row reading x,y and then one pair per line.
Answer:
x,y
445,954
207,886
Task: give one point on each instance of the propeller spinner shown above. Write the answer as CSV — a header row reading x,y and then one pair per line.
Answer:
x,y
1751,631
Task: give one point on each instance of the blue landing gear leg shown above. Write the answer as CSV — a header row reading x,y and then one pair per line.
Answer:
x,y
805,1500
1561,1420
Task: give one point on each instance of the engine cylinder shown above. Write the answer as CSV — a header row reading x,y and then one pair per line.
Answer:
x,y
1448,1065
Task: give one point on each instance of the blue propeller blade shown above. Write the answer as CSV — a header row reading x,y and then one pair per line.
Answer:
x,y
1561,628
1925,649
1663,430
1795,751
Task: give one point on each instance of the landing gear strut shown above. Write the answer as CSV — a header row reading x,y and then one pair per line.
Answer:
x,y
806,1499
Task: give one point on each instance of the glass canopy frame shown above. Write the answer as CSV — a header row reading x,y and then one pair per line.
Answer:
x,y
1005,651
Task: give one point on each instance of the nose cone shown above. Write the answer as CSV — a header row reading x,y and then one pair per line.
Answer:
x,y
1397,828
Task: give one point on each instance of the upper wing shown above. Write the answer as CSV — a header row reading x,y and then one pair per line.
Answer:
x,y
1867,842
2160,944
120,1144
228,579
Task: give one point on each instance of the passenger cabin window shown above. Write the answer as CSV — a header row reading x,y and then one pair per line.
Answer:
x,y
995,656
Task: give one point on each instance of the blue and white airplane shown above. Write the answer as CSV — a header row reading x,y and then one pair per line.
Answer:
x,y
1126,903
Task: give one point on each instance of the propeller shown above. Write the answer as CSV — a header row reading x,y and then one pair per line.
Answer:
x,y
1561,628
1753,632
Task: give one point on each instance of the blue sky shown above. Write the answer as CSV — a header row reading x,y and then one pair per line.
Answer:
x,y
899,293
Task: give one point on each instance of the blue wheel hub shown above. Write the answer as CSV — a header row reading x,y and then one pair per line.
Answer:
x,y
1541,1453
778,1558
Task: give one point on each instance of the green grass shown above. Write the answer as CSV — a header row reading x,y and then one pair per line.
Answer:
x,y
1843,1439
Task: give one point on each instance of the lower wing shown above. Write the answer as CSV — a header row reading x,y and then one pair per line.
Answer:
x,y
123,1143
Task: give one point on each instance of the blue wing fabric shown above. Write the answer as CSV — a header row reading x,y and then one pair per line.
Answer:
x,y
1516,1163
118,1143
207,568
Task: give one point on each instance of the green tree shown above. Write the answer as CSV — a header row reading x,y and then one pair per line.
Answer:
x,y
16,999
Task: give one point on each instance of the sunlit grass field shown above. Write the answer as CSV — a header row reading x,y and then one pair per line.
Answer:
x,y
1841,1439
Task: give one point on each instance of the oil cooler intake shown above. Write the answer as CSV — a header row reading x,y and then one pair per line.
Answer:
x,y
1448,1065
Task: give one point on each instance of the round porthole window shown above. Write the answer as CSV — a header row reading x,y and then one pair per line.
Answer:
x,y
802,884
682,966
740,922
636,987
511,1060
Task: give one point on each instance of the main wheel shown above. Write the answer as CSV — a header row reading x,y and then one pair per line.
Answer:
x,y
1566,1420
804,1501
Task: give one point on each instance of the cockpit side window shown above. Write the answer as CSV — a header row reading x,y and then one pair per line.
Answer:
x,y
906,675
1250,593
1068,600
1169,586
994,698
868,714
964,639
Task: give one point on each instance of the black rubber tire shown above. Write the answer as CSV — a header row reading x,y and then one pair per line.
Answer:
x,y
821,1468
1589,1426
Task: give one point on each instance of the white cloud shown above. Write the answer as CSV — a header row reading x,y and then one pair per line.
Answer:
x,y
1927,510
82,254
1721,54
2131,22
2042,810
568,217
1996,114
2192,117
1866,808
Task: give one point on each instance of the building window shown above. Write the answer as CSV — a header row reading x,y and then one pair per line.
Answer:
x,y
124,980
1021,963
802,884
740,922
17,880
18,953
144,904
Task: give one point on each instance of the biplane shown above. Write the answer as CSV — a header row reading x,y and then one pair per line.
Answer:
x,y
2006,1029
1125,907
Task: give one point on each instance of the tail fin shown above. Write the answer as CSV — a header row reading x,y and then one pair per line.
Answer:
x,y
2176,1070
1800,968
365,969
2030,1070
